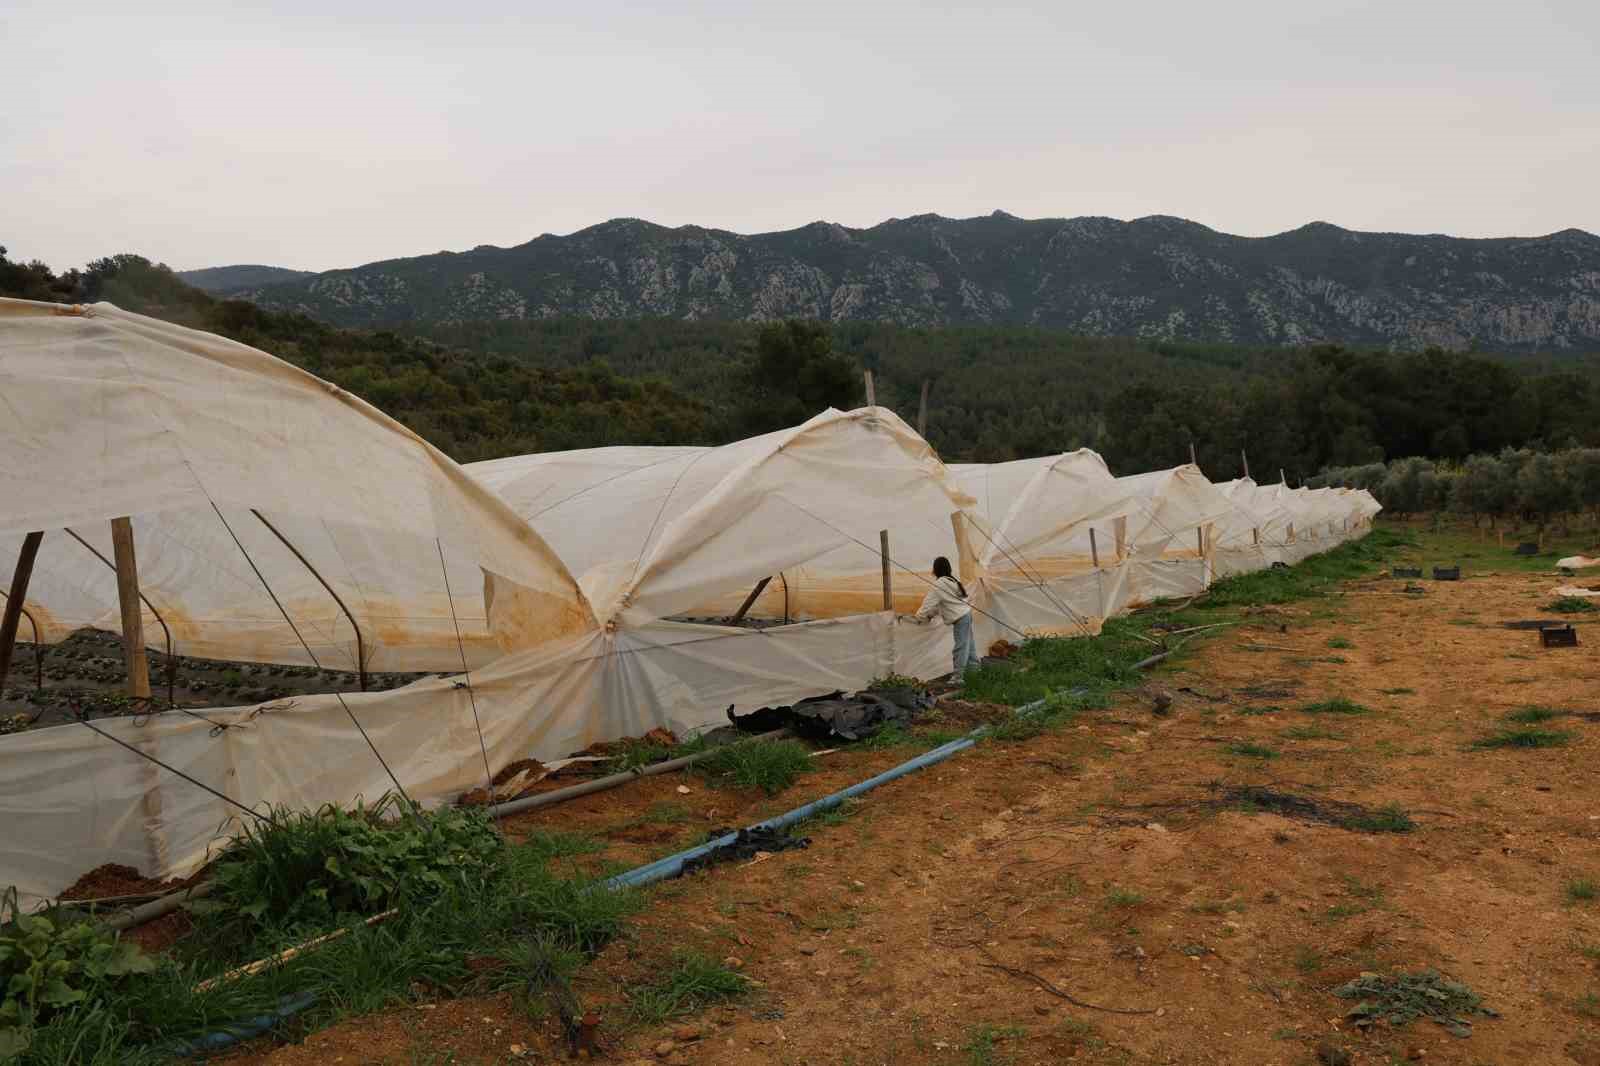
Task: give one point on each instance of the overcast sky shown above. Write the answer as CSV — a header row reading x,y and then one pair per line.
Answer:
x,y
328,134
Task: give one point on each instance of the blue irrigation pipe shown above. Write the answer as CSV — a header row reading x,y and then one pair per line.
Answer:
x,y
672,865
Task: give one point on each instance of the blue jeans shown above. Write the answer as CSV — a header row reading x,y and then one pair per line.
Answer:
x,y
965,653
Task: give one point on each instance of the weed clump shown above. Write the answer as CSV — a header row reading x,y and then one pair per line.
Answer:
x,y
1573,605
693,982
1337,705
1251,751
1524,738
1582,890
770,765
1403,998
1534,715
1352,816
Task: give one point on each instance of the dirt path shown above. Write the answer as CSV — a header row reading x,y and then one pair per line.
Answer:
x,y
1107,859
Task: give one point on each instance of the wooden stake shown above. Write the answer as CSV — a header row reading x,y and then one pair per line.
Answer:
x,y
287,954
19,591
132,617
1281,479
872,397
1094,548
922,412
888,580
749,601
1245,459
1192,460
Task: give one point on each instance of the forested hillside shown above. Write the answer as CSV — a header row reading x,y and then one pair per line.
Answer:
x,y
485,389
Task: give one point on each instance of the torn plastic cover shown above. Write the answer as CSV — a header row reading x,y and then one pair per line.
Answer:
x,y
746,845
850,717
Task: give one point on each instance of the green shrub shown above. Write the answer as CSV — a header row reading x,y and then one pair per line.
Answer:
x,y
1573,605
320,867
48,965
1251,751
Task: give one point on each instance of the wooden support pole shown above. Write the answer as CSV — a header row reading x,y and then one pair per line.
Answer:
x,y
922,412
1281,479
872,397
888,578
19,591
1200,541
1192,460
132,617
1255,536
749,601
1245,459
1094,548
966,559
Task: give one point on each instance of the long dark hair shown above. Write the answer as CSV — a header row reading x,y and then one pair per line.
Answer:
x,y
941,568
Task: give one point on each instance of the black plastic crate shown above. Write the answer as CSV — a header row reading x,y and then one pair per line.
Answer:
x,y
1559,636
1447,573
1406,571
1527,548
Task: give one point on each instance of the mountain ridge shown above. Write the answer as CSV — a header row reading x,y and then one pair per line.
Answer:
x,y
225,279
1157,277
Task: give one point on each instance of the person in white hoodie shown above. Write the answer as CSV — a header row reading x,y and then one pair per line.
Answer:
x,y
947,598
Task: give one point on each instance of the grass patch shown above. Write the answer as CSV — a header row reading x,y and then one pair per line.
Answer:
x,y
1391,818
1573,605
1582,890
1308,960
1534,715
770,765
1524,738
982,1044
692,983
1253,712
1311,732
1337,705
1120,897
1251,751
1313,577
1340,642
1046,666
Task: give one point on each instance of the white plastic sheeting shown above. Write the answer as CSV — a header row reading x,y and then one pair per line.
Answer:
x,y
665,532
803,500
1275,524
113,414
71,799
1065,536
